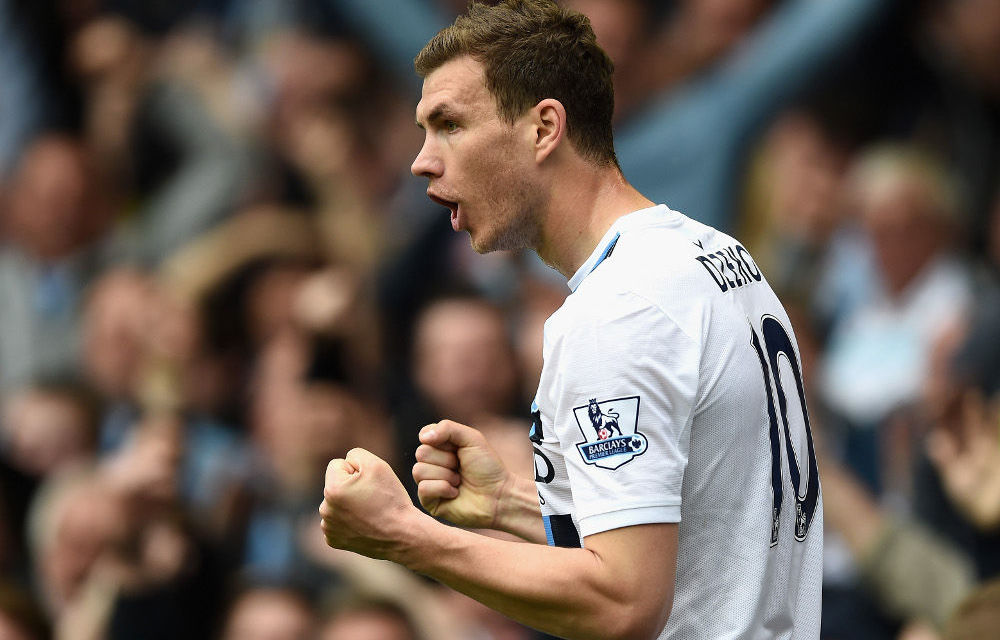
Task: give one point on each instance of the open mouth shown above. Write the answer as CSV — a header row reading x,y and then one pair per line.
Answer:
x,y
450,204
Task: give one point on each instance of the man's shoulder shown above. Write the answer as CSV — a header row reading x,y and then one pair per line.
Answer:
x,y
661,263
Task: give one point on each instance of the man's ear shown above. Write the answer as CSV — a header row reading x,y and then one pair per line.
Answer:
x,y
549,127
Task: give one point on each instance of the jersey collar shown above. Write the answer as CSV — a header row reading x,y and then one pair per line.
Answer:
x,y
629,221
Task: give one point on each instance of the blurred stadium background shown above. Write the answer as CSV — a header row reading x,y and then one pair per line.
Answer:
x,y
216,273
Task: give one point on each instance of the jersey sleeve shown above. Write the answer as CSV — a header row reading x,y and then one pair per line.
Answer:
x,y
627,385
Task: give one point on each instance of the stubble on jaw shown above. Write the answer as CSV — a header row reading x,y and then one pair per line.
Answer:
x,y
517,208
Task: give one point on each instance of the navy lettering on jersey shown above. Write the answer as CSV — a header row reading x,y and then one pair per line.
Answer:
x,y
730,268
544,471
714,272
748,262
536,435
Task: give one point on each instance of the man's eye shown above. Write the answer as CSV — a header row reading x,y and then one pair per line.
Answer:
x,y
451,126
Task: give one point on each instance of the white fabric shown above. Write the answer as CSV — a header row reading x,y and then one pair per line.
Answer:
x,y
649,334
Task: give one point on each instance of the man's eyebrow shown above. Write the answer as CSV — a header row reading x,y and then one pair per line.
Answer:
x,y
437,114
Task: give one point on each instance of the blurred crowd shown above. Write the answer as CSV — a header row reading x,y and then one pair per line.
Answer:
x,y
216,274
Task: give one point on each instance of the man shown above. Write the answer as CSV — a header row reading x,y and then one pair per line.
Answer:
x,y
675,474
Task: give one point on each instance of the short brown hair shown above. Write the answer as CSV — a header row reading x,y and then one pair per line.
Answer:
x,y
532,50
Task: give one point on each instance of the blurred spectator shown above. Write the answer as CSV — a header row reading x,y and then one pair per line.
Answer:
x,y
298,424
476,619
909,572
49,426
957,484
877,357
922,569
150,124
54,219
23,102
463,367
144,351
114,325
368,620
113,555
685,147
464,362
796,207
270,613
623,30
961,98
73,523
45,428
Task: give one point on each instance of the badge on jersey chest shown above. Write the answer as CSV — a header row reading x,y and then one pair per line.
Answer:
x,y
609,428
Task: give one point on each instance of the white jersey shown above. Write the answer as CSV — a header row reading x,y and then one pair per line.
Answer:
x,y
672,392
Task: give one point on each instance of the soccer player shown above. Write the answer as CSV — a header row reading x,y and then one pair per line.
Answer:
x,y
676,481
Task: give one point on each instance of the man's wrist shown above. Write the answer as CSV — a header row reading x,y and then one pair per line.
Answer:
x,y
518,511
418,542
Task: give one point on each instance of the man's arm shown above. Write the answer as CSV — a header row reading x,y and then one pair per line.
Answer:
x,y
620,586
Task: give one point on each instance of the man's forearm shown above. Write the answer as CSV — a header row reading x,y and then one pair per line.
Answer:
x,y
567,592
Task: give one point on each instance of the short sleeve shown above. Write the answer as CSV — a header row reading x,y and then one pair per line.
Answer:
x,y
627,382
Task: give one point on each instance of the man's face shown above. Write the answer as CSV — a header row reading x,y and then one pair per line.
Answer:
x,y
477,165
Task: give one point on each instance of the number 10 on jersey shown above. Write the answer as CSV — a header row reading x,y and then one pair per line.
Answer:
x,y
777,345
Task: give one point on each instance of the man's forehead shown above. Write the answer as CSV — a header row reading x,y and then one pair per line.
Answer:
x,y
458,82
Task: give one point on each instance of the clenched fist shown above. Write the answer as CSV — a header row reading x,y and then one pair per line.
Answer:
x,y
459,476
365,507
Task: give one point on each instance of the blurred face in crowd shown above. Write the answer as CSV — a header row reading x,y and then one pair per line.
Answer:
x,y
367,624
971,29
477,165
54,209
806,177
114,324
271,300
479,620
44,431
905,234
269,614
464,360
300,426
618,25
721,23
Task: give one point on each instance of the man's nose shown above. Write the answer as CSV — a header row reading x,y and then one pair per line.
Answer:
x,y
426,164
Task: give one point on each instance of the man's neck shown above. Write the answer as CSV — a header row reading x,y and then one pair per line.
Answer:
x,y
583,207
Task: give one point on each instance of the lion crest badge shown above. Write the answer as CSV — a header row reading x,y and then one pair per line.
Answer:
x,y
609,428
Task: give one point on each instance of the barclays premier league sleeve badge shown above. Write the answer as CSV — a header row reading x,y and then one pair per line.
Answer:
x,y
609,429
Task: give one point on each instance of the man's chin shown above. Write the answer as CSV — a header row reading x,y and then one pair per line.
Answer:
x,y
482,245
505,242
479,247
